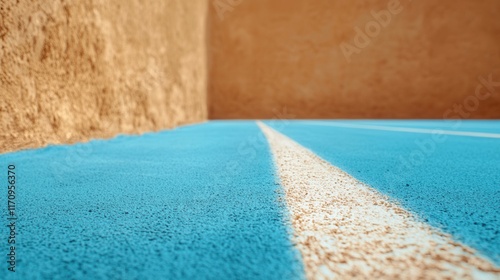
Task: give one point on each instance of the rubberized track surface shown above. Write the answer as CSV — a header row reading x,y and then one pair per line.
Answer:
x,y
203,199
452,183
159,206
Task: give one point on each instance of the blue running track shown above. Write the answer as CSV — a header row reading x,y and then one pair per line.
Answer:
x,y
197,202
452,183
203,202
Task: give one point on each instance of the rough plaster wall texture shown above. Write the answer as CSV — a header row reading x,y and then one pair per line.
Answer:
x,y
270,56
75,70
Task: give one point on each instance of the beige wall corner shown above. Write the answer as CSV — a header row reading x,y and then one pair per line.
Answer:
x,y
75,70
415,59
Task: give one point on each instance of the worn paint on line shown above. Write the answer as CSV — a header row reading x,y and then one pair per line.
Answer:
x,y
345,229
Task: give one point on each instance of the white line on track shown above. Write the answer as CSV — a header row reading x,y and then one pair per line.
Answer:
x,y
407,129
344,229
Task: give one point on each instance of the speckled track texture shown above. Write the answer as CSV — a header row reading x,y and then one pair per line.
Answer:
x,y
204,202
198,202
346,230
453,184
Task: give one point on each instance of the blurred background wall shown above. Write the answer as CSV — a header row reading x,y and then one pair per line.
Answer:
x,y
353,59
75,70
72,70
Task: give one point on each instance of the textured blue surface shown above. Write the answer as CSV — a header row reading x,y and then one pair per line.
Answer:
x,y
198,202
488,126
452,184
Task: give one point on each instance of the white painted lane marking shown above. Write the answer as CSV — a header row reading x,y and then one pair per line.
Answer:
x,y
407,129
345,229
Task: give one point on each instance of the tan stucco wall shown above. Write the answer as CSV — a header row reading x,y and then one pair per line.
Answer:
x,y
272,57
75,70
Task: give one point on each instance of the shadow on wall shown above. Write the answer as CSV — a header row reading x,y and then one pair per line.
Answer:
x,y
363,59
